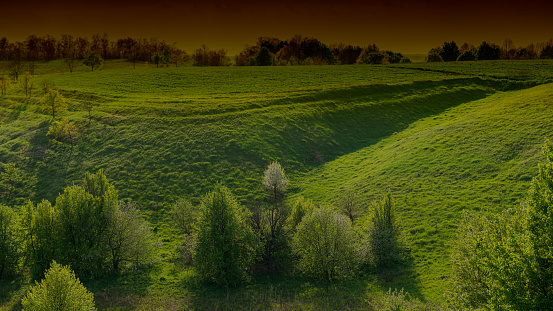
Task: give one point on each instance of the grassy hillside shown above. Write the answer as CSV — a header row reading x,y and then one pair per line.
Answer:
x,y
440,137
479,155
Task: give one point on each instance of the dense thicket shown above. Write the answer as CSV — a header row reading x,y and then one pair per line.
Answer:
x,y
87,228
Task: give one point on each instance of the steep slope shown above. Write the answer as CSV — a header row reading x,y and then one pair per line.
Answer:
x,y
479,155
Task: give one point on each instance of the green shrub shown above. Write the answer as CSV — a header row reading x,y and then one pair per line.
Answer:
x,y
302,207
383,234
326,245
59,291
184,215
87,228
226,246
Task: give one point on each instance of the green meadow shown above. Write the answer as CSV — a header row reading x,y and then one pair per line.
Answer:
x,y
440,137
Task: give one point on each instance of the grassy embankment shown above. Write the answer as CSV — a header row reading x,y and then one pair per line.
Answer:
x,y
441,138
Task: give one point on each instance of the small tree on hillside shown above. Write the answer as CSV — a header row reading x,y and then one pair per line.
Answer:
x,y
129,237
274,217
384,234
63,131
225,244
60,290
326,245
350,205
88,105
52,102
40,234
10,180
93,60
184,215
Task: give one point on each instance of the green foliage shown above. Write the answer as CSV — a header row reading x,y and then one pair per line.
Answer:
x,y
302,207
129,238
384,234
99,186
326,245
10,181
503,261
269,219
9,249
275,179
87,228
63,131
540,233
373,127
225,245
40,235
82,224
59,290
184,215
52,102
93,60
350,204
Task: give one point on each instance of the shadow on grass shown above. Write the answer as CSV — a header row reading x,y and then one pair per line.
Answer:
x,y
122,291
401,276
291,293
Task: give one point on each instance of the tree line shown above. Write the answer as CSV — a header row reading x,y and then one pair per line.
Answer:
x,y
450,51
298,50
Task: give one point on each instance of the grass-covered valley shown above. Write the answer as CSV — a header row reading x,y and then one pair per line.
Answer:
x,y
440,138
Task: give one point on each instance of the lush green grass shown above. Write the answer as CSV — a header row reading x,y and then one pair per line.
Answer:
x,y
440,137
479,155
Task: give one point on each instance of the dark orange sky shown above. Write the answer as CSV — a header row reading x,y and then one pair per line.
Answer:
x,y
403,26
